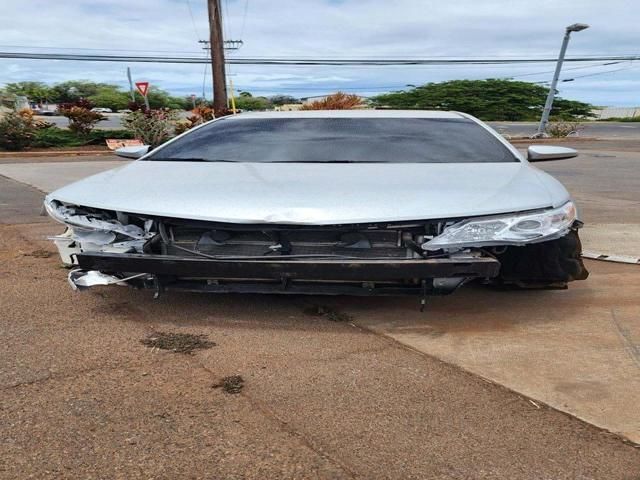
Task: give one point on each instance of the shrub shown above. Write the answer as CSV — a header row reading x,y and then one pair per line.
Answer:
x,y
563,129
17,130
337,101
56,137
81,119
199,115
152,127
98,137
62,137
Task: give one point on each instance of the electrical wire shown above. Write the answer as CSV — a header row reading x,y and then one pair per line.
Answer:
x,y
226,28
320,87
564,69
193,21
598,73
304,61
244,18
391,56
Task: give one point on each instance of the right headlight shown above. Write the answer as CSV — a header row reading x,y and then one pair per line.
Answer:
x,y
513,229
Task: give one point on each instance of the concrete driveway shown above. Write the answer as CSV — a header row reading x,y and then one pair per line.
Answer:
x,y
576,350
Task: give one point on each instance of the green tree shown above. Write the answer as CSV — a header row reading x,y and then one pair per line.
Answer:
x,y
110,96
283,99
100,94
491,99
68,92
249,102
570,109
160,99
34,91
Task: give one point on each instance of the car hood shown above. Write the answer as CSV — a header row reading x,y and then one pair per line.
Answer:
x,y
315,193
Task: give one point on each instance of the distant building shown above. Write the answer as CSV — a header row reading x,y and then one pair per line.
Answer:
x,y
21,103
616,112
288,107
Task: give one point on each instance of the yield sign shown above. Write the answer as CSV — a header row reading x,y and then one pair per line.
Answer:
x,y
143,88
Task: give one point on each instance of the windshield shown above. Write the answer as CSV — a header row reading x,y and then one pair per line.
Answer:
x,y
326,140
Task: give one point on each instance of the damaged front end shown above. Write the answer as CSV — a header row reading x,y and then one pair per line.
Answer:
x,y
107,247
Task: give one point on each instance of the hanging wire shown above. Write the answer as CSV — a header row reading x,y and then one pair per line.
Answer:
x,y
244,18
193,21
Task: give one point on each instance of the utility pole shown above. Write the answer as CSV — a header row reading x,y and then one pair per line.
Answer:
x,y
576,27
206,46
217,57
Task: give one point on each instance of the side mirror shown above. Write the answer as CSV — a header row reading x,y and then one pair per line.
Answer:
x,y
132,152
539,153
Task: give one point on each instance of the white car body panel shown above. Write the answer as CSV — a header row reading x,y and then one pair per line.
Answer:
x,y
316,194
320,193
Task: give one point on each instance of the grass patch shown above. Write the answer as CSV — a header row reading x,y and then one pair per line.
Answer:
x,y
232,384
177,342
38,254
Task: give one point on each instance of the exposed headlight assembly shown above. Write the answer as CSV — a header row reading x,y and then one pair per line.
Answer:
x,y
82,221
514,229
94,232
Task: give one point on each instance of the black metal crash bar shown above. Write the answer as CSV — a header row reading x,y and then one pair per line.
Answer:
x,y
278,269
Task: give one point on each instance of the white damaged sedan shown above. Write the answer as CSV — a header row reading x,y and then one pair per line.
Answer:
x,y
358,202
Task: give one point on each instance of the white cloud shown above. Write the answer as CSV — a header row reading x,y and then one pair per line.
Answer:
x,y
325,28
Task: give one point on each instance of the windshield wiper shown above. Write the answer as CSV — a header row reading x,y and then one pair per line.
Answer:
x,y
189,159
321,161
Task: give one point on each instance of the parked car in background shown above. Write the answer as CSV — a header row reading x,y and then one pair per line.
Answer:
x,y
101,110
324,202
45,111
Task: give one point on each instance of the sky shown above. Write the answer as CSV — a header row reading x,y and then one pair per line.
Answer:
x,y
329,29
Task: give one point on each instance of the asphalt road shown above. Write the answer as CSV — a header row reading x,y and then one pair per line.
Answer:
x,y
113,121
605,130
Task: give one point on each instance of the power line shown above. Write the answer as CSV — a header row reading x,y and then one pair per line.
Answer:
x,y
305,61
226,28
244,17
193,21
598,73
320,88
590,57
564,69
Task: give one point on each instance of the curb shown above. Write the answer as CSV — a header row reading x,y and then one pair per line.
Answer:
x,y
54,153
550,140
612,258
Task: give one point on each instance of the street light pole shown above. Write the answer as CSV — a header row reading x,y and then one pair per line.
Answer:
x,y
576,27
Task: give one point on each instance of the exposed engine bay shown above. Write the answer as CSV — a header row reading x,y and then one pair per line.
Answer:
x,y
106,247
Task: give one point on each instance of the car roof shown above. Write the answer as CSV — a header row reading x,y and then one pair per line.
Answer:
x,y
354,114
